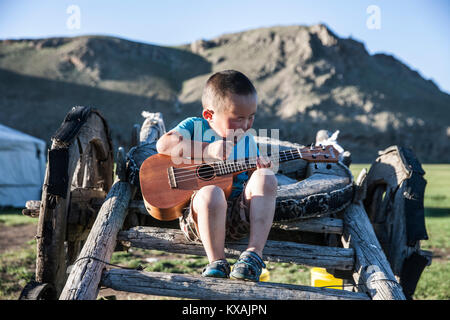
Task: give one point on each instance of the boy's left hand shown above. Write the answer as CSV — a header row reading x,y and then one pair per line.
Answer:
x,y
263,162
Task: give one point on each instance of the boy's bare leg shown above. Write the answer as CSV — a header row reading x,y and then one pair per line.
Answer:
x,y
211,206
260,193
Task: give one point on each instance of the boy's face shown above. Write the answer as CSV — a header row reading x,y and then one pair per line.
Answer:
x,y
239,114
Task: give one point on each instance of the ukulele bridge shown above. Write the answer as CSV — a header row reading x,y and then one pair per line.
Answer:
x,y
171,176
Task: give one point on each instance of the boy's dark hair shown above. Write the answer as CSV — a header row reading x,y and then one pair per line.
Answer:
x,y
222,84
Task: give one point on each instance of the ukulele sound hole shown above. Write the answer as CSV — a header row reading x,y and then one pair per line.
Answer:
x,y
205,172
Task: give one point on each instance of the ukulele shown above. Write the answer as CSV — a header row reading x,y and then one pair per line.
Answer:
x,y
168,183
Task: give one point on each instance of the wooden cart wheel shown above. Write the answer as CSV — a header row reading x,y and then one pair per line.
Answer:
x,y
38,291
394,204
78,177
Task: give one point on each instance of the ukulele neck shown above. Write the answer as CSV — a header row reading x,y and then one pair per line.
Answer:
x,y
312,154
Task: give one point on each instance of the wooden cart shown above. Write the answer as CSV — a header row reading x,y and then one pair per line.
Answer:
x,y
367,231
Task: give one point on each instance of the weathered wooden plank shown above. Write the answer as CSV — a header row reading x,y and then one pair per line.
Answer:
x,y
172,240
318,225
32,208
84,278
152,128
319,183
33,204
318,195
373,269
283,180
197,287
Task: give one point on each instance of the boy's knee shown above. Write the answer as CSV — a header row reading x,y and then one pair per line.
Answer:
x,y
265,179
211,197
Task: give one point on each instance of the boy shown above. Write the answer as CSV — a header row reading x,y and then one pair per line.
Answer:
x,y
229,103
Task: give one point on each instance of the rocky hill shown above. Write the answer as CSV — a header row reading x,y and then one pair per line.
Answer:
x,y
307,79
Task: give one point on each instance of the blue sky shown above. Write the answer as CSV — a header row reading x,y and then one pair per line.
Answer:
x,y
414,31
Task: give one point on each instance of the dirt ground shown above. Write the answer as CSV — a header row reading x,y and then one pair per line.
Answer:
x,y
12,238
15,237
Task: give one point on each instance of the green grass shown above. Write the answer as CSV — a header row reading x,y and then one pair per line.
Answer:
x,y
289,273
438,229
437,191
16,270
434,283
14,217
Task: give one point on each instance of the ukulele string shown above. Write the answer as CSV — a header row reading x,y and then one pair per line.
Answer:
x,y
192,174
223,164
229,162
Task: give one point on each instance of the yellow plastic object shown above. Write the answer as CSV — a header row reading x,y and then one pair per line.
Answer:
x,y
265,275
321,278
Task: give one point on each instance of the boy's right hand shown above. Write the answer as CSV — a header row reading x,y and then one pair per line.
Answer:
x,y
220,150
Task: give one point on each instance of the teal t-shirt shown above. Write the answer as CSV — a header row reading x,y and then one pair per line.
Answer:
x,y
198,129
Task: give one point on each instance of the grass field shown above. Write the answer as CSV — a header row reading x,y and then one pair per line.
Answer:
x,y
17,266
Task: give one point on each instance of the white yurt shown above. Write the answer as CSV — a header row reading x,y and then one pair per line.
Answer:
x,y
22,167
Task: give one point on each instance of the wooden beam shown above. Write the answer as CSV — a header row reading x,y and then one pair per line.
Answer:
x,y
372,268
84,278
317,225
173,240
197,287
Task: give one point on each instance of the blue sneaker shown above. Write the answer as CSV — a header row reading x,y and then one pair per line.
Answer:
x,y
248,267
217,269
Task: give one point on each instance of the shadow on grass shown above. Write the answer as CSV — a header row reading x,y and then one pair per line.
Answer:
x,y
437,212
10,210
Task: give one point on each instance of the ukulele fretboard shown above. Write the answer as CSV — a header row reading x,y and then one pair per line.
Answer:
x,y
313,154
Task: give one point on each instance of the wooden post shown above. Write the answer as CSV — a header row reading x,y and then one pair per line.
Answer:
x,y
84,278
52,225
373,269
